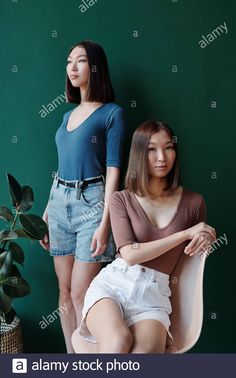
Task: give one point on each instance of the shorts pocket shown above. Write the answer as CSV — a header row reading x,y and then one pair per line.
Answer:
x,y
93,196
163,286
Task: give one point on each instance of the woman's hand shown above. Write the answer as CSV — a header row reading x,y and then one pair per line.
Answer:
x,y
200,227
200,242
99,241
45,241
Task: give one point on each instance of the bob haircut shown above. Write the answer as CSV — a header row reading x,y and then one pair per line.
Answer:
x,y
137,177
99,87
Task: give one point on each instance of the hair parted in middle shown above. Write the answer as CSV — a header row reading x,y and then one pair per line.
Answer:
x,y
137,177
99,87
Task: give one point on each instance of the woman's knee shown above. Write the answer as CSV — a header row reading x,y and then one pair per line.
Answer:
x,y
77,296
64,292
148,348
63,270
117,341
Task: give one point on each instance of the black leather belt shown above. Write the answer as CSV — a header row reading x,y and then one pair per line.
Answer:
x,y
80,184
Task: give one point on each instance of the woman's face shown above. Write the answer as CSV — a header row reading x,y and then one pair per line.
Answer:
x,y
161,154
77,67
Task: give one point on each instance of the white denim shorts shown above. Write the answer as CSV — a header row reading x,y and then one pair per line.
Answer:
x,y
141,293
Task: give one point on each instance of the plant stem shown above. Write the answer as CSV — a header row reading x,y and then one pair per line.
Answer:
x,y
2,249
15,219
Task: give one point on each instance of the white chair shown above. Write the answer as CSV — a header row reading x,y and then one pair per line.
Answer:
x,y
186,283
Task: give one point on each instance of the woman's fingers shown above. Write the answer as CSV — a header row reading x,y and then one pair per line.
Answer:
x,y
196,246
192,244
200,241
206,228
99,243
99,250
212,232
202,247
45,243
204,243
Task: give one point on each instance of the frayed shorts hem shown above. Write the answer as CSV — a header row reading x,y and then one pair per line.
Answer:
x,y
89,338
95,259
56,253
152,315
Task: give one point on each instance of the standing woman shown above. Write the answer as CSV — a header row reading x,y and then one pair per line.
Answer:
x,y
89,143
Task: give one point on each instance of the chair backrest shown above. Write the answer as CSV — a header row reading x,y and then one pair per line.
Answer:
x,y
186,283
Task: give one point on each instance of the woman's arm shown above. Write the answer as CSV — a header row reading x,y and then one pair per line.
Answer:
x,y
138,253
100,236
45,241
112,184
202,241
115,128
126,242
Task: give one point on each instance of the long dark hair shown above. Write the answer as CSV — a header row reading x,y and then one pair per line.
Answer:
x,y
100,87
137,178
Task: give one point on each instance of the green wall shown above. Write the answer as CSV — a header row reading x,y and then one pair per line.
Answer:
x,y
159,70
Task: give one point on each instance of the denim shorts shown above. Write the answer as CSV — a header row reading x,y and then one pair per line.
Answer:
x,y
72,222
141,293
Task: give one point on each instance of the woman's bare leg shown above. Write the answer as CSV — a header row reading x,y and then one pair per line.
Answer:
x,y
63,268
105,322
82,275
149,337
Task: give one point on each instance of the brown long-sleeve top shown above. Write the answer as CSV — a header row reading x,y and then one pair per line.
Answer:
x,y
130,224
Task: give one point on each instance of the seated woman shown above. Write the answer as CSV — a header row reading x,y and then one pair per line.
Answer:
x,y
154,220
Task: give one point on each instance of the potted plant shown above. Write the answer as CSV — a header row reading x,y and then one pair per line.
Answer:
x,y
12,284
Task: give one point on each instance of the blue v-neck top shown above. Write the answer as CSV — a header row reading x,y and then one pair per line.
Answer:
x,y
95,144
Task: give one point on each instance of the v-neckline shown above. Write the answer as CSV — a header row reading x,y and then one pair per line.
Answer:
x,y
86,119
148,220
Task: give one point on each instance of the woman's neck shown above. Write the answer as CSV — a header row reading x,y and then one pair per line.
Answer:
x,y
83,94
157,187
84,103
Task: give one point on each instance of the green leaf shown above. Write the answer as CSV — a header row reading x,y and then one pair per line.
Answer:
x,y
33,226
21,233
7,235
27,198
15,271
16,287
6,263
5,301
17,253
6,214
15,190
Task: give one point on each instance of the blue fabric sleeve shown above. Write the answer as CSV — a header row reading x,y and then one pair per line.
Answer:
x,y
115,132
